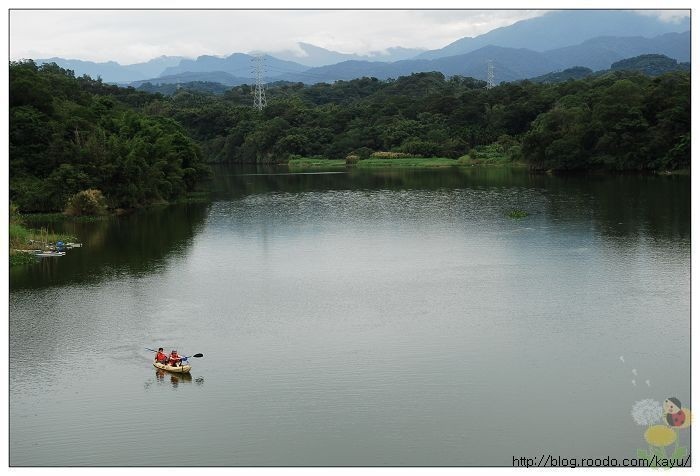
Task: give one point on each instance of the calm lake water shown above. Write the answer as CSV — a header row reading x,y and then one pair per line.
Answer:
x,y
391,317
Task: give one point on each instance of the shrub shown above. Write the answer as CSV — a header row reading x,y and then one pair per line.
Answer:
x,y
352,159
514,153
87,202
506,142
390,155
17,259
421,148
18,234
363,153
15,216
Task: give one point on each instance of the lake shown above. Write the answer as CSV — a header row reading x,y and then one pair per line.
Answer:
x,y
371,317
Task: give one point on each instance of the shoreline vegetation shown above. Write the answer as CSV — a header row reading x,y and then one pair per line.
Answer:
x,y
413,162
24,241
86,148
301,163
490,156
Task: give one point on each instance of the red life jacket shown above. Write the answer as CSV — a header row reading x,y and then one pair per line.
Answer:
x,y
174,359
160,357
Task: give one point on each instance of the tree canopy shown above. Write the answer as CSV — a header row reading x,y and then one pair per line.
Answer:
x,y
70,134
621,120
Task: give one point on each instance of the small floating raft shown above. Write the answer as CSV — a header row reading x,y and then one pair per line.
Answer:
x,y
183,369
48,254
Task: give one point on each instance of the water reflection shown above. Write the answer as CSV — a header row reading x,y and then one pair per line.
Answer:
x,y
175,380
133,244
615,205
346,308
620,206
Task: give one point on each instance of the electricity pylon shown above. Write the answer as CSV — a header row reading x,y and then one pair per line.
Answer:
x,y
259,99
490,78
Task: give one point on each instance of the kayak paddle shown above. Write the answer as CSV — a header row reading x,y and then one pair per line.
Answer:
x,y
186,357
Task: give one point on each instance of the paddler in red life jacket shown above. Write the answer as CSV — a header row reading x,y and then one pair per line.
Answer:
x,y
161,358
175,359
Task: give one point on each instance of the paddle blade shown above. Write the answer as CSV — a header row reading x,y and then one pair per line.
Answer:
x,y
198,355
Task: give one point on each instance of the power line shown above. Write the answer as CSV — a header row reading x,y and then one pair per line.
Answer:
x,y
259,99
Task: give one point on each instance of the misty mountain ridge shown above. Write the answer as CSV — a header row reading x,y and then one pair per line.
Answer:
x,y
648,64
554,41
510,64
558,29
237,64
113,72
219,77
601,52
314,56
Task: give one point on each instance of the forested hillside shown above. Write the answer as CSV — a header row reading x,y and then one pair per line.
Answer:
x,y
70,134
618,121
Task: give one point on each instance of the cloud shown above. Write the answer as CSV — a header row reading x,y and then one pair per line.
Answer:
x,y
129,36
669,16
133,36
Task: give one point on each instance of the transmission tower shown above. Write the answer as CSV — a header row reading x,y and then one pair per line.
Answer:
x,y
490,78
259,100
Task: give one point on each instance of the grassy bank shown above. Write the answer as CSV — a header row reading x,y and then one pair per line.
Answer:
x,y
490,155
305,163
55,217
413,162
424,162
24,239
419,162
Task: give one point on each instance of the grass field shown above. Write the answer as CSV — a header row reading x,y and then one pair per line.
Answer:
x,y
426,162
310,163
22,238
491,155
408,162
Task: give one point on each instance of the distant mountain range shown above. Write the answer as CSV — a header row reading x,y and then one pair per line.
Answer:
x,y
238,64
113,72
220,77
651,65
562,28
601,52
553,42
509,63
312,55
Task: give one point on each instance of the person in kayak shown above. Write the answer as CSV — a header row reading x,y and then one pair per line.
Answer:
x,y
175,359
161,358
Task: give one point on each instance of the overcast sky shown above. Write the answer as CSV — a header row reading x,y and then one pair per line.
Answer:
x,y
135,36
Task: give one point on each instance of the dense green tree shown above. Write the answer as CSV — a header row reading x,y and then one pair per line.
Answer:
x,y
70,134
620,121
